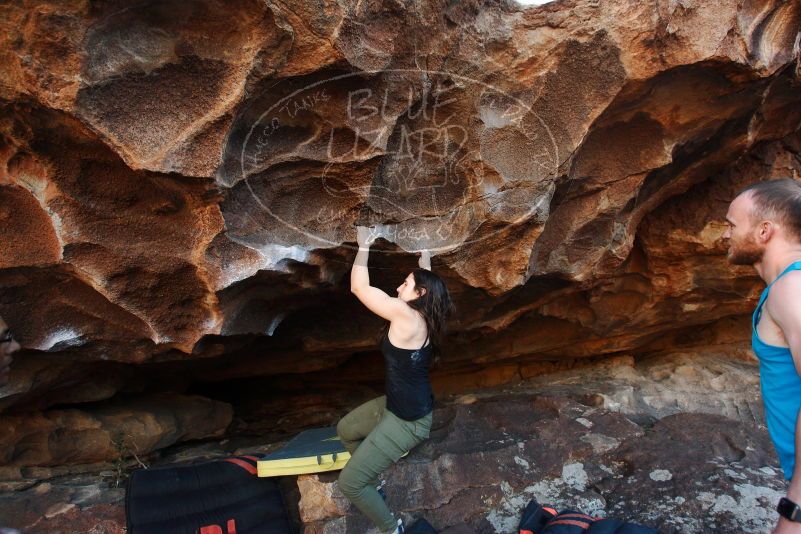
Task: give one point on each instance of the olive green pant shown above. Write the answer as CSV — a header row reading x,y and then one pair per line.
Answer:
x,y
376,438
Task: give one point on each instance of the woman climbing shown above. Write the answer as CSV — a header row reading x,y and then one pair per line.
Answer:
x,y
381,431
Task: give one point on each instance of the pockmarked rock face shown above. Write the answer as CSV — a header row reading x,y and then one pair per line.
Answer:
x,y
119,430
179,184
79,505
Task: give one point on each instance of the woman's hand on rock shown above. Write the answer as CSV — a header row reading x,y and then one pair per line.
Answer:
x,y
366,235
425,260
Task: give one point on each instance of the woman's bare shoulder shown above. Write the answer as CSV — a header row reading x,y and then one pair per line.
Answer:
x,y
409,324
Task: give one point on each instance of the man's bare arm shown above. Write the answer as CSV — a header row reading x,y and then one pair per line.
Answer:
x,y
786,312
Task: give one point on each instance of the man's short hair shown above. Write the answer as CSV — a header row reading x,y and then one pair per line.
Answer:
x,y
778,200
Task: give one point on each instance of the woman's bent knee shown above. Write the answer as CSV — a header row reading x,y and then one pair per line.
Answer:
x,y
340,428
342,431
348,485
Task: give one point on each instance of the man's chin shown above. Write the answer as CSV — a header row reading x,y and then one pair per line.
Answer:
x,y
740,258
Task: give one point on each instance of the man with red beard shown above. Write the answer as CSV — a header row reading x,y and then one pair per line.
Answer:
x,y
765,231
7,347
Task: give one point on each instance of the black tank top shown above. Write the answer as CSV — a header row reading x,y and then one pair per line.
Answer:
x,y
409,394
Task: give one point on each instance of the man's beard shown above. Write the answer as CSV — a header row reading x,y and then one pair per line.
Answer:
x,y
745,253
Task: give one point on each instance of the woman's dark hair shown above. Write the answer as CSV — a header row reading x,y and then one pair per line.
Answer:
x,y
434,305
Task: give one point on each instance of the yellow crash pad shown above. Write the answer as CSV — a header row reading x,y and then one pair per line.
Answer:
x,y
311,451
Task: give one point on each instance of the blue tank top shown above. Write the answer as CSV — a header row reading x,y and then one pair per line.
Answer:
x,y
781,387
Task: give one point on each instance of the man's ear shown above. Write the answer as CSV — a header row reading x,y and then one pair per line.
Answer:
x,y
766,230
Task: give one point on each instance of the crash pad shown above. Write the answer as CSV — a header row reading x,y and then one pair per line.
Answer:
x,y
222,496
312,451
